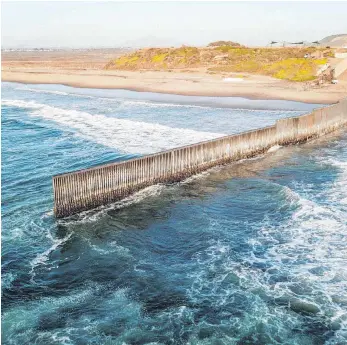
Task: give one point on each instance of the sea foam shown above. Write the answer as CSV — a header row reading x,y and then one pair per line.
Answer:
x,y
122,134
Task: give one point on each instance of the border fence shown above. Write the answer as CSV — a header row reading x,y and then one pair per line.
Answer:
x,y
89,188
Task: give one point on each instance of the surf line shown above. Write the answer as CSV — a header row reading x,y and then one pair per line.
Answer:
x,y
89,188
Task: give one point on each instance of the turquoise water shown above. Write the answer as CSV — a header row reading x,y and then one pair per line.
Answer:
x,y
249,253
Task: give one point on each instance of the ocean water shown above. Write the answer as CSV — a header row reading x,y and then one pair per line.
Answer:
x,y
254,252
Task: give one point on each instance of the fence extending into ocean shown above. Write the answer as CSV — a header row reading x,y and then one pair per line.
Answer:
x,y
89,188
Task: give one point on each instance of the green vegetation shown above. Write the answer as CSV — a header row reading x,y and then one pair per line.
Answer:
x,y
233,50
295,69
159,58
123,62
281,63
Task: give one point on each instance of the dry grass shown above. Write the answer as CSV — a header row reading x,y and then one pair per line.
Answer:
x,y
282,63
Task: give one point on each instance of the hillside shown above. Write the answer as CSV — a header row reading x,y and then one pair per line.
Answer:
x,y
335,41
282,63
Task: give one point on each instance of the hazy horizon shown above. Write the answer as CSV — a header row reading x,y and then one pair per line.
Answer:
x,y
135,24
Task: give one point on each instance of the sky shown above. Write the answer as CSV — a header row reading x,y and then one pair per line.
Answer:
x,y
114,24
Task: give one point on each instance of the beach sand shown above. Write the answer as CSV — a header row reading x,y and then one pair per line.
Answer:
x,y
85,69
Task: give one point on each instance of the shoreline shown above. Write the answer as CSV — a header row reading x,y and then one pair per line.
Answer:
x,y
216,102
179,83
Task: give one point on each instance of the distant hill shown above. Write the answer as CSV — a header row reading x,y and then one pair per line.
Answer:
x,y
335,41
224,43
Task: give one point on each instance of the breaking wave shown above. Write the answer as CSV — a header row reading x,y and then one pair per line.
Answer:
x,y
123,135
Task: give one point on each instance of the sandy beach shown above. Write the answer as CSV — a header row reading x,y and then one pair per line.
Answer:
x,y
85,69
